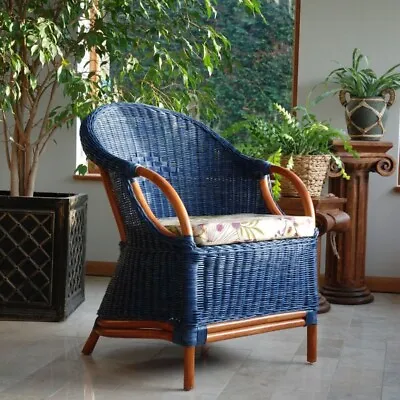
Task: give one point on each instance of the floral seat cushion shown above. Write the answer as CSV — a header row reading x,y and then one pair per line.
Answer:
x,y
239,228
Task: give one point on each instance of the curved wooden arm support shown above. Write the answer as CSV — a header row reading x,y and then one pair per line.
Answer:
x,y
300,187
172,196
269,200
165,187
146,208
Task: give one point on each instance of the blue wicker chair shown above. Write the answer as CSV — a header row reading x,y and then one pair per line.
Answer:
x,y
165,285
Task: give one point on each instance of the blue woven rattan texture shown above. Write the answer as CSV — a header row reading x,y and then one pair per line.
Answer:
x,y
171,279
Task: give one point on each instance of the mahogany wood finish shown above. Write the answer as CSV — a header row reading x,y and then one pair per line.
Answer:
x,y
215,332
219,327
268,199
189,365
312,343
146,208
254,330
165,326
345,276
171,195
330,217
301,188
90,343
135,333
295,82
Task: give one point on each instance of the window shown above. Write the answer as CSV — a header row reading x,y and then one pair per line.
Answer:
x,y
263,67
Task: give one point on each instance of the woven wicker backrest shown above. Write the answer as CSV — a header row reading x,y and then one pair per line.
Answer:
x,y
205,170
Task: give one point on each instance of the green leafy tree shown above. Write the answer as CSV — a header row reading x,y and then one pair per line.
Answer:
x,y
163,48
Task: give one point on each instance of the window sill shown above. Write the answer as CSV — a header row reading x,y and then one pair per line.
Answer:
x,y
88,177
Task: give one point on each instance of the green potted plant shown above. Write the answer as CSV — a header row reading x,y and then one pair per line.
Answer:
x,y
365,96
299,142
161,50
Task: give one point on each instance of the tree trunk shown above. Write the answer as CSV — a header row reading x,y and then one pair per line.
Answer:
x,y
14,189
31,179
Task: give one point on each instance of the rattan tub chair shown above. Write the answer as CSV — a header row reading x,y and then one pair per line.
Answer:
x,y
215,272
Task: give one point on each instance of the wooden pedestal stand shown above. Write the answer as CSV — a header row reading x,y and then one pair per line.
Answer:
x,y
329,217
345,276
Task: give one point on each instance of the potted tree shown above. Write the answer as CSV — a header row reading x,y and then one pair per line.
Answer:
x,y
297,141
365,96
65,47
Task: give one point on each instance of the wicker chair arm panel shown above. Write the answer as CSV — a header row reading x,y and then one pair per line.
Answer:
x,y
99,155
300,187
170,193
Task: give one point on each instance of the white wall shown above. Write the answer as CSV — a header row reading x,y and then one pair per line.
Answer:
x,y
330,30
56,171
55,175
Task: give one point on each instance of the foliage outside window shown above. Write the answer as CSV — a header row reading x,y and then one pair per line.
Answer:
x,y
256,69
261,69
165,49
256,72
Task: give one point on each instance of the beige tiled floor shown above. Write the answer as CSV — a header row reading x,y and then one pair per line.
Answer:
x,y
359,359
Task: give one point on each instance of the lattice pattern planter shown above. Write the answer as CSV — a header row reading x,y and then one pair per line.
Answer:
x,y
42,255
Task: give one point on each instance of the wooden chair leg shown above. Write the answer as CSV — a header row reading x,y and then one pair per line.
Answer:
x,y
312,343
90,343
189,363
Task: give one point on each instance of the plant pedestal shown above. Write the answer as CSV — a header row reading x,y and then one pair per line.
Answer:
x,y
345,276
330,217
42,255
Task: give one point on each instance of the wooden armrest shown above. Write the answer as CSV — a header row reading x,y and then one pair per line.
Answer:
x,y
297,183
172,196
165,187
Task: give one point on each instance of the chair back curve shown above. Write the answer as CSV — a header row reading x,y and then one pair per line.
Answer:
x,y
210,176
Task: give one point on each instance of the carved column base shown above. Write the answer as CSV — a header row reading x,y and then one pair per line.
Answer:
x,y
348,296
324,305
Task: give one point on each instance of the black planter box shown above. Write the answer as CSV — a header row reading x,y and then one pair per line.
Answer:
x,y
42,255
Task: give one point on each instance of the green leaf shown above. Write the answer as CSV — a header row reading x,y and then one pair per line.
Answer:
x,y
207,60
34,48
81,169
33,82
59,71
42,57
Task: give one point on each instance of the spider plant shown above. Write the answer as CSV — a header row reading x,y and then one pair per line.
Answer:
x,y
360,80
